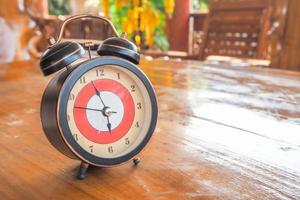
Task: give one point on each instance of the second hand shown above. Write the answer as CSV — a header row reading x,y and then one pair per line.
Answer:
x,y
92,109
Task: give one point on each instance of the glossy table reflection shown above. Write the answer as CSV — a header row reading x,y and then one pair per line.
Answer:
x,y
224,132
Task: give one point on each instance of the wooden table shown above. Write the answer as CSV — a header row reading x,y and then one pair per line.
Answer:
x,y
224,132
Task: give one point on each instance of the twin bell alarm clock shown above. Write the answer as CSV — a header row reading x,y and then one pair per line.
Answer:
x,y
99,110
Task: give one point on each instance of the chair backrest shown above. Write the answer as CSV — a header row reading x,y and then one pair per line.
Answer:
x,y
236,28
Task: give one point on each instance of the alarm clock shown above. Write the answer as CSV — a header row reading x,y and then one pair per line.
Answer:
x,y
101,110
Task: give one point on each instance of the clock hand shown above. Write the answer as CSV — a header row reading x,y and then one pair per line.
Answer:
x,y
114,112
105,107
88,108
108,125
98,94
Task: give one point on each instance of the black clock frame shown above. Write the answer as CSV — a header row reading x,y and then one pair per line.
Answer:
x,y
54,109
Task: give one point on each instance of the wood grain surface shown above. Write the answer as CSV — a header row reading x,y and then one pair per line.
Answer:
x,y
224,132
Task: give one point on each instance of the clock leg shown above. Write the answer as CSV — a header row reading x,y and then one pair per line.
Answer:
x,y
136,161
82,170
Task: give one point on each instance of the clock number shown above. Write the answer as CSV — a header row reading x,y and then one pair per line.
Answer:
x,y
110,149
68,117
75,137
91,148
72,97
132,88
82,80
137,125
139,105
127,141
119,76
100,72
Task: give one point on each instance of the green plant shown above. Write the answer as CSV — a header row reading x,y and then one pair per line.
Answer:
x,y
143,20
200,5
58,7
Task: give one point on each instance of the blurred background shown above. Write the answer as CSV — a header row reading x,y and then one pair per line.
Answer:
x,y
226,75
259,32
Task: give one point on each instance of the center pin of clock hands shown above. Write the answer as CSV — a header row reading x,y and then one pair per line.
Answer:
x,y
105,109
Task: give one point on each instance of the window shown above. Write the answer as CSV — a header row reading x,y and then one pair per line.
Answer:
x,y
198,6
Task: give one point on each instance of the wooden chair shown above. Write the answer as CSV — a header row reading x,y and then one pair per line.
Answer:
x,y
236,28
47,26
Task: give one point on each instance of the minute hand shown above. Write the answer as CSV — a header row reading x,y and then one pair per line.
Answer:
x,y
98,94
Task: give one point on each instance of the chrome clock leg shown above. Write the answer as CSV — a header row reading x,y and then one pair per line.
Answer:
x,y
136,161
82,170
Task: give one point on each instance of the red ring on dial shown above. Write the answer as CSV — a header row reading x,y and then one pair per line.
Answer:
x,y
80,117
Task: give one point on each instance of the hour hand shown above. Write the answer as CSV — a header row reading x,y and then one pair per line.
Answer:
x,y
98,93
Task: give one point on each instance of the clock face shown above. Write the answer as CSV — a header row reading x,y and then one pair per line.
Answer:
x,y
109,112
